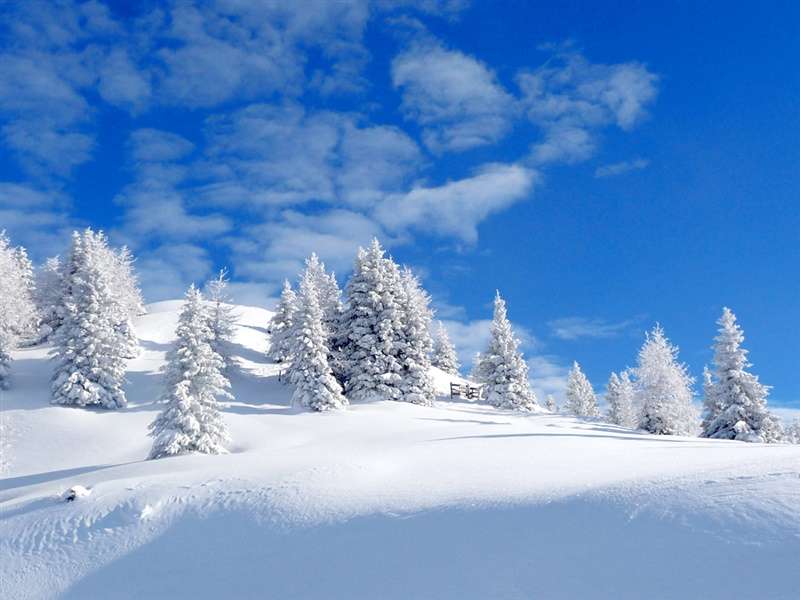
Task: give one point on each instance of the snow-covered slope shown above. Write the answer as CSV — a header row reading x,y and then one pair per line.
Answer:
x,y
383,500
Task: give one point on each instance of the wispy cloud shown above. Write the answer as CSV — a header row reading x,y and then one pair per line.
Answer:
x,y
457,207
573,328
454,97
570,98
620,168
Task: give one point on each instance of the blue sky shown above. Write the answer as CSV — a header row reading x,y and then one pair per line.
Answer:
x,y
605,165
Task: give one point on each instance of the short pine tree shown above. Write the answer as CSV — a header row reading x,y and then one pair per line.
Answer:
x,y
738,408
280,326
501,368
417,384
664,388
793,433
222,319
620,396
92,344
191,420
371,329
550,403
315,386
444,354
581,400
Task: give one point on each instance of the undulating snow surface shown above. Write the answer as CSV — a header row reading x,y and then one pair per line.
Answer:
x,y
382,500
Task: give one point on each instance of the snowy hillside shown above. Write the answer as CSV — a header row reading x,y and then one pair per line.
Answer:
x,y
382,500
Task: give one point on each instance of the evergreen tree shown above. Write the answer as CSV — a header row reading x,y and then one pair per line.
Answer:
x,y
793,433
222,320
663,388
316,388
191,421
328,292
550,403
280,326
93,340
48,297
711,400
17,311
444,354
371,329
581,400
417,385
737,407
620,396
501,368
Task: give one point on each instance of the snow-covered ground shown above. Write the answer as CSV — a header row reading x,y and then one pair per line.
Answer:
x,y
383,500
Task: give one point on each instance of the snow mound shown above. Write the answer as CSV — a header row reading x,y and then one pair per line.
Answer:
x,y
385,499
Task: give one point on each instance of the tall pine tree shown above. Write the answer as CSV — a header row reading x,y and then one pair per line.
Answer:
x,y
736,403
664,388
315,386
191,420
94,339
371,329
417,384
501,368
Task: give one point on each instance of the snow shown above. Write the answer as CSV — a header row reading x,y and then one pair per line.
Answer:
x,y
383,499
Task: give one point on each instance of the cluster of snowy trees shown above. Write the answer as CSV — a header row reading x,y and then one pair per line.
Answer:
x,y
656,395
373,343
84,304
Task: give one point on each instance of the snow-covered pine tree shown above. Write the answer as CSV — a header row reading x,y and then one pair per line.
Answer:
x,y
738,409
280,326
48,297
126,283
371,329
664,388
17,311
581,400
711,400
222,319
793,433
92,342
550,403
620,396
444,352
315,386
194,378
417,384
328,292
501,368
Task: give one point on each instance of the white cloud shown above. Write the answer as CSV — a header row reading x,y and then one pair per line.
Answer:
x,y
275,250
573,328
456,208
548,376
168,270
156,145
454,97
35,218
569,98
620,168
